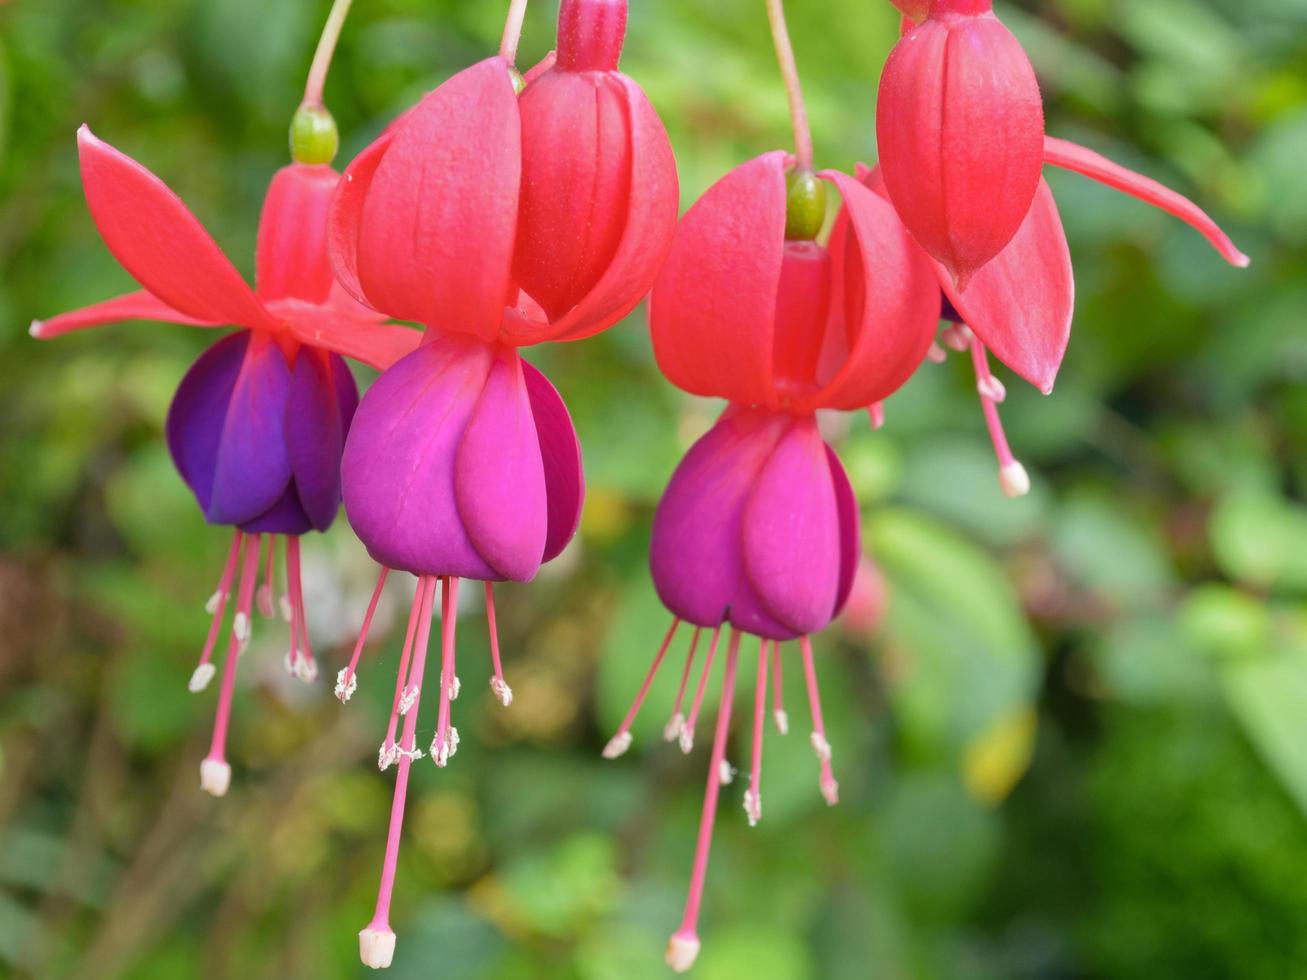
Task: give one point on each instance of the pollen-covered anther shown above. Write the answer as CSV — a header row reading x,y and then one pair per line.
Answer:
x,y
407,699
200,678
241,627
286,609
617,745
686,739
1014,479
215,777
215,600
306,669
753,806
376,947
501,691
672,730
993,389
830,790
412,755
443,751
454,688
387,755
726,773
936,354
682,951
782,719
347,682
957,337
820,746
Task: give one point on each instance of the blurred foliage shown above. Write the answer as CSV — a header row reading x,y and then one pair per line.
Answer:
x,y
1073,748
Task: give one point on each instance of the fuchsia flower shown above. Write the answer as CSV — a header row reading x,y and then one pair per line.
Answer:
x,y
497,221
759,526
257,425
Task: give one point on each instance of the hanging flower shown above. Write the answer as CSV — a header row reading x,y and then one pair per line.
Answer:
x,y
257,426
759,527
496,220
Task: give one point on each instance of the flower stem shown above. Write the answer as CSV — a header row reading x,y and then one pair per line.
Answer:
x,y
512,30
322,56
790,74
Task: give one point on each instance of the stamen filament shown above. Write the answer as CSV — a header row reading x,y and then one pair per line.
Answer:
x,y
620,742
793,90
497,683
446,742
217,605
673,727
778,704
686,738
264,595
306,668
387,754
1012,476
684,945
322,56
512,31
346,681
876,412
215,773
377,939
753,796
830,789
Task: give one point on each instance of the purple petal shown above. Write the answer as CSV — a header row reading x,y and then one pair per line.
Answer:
x,y
252,469
398,468
286,516
499,478
561,451
199,410
850,530
316,424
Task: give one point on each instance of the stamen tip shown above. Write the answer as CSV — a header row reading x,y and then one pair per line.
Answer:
x,y
686,739
782,721
725,773
286,610
347,682
241,627
376,947
35,329
830,791
200,678
1014,479
211,606
993,389
753,807
215,777
501,691
936,354
387,755
617,745
682,951
820,746
672,730
455,688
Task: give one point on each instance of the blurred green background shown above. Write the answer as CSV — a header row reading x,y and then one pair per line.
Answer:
x,y
1074,745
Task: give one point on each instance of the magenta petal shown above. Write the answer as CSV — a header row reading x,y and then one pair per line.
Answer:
x,y
695,553
850,530
499,478
561,451
791,533
398,468
199,411
318,413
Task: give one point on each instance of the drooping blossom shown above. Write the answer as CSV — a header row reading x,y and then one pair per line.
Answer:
x,y
257,426
495,220
758,528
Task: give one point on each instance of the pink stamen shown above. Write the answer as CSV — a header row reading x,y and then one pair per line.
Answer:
x,y
1012,476
753,797
446,741
215,773
684,944
346,681
778,703
389,749
497,683
876,412
379,927
830,789
686,738
620,742
673,727
304,666
264,595
217,605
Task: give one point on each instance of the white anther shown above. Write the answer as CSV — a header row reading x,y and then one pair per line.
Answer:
x,y
454,688
726,773
686,739
957,337
215,777
993,389
782,721
820,746
617,745
211,606
830,791
502,691
347,682
241,627
681,953
936,354
387,755
672,730
306,668
376,948
286,611
407,699
442,752
288,661
753,806
412,755
200,678
1014,479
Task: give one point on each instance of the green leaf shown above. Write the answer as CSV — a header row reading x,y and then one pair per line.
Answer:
x,y
1260,538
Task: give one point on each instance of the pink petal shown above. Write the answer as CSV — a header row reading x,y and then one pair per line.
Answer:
x,y
345,216
561,451
890,301
713,306
150,231
435,240
1071,156
292,248
364,339
133,306
1021,303
499,478
850,529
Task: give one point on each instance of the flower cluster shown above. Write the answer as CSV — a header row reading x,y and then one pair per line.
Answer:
x,y
505,210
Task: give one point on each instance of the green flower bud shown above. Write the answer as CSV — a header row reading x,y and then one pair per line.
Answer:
x,y
805,205
313,136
